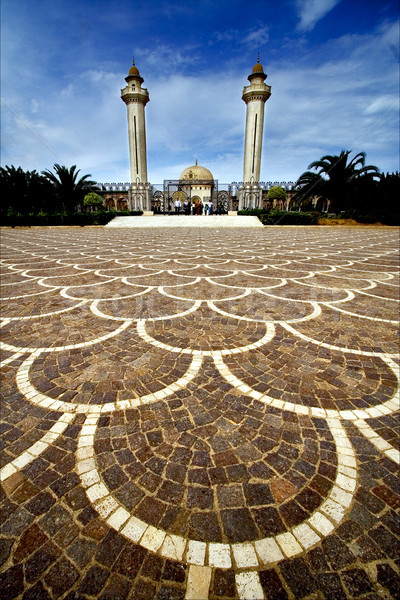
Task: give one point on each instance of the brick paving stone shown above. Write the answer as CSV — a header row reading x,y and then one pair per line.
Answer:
x,y
272,585
388,579
356,582
222,423
298,577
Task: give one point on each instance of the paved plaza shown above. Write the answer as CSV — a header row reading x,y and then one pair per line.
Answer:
x,y
200,414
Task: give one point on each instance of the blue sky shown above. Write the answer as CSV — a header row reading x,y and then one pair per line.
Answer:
x,y
333,67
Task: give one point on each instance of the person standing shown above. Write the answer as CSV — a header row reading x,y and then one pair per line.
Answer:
x,y
206,209
177,205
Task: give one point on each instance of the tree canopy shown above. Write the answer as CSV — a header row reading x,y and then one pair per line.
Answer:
x,y
92,199
24,191
276,193
69,190
337,179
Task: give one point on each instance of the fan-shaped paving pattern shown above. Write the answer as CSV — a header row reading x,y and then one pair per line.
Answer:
x,y
203,464
115,370
205,330
213,414
302,373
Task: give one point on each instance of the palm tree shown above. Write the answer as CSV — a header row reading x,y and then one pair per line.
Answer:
x,y
69,190
335,179
23,191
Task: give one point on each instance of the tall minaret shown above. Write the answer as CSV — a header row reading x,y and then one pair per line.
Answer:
x,y
136,98
254,95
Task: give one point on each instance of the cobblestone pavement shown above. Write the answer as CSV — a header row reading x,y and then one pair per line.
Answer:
x,y
199,414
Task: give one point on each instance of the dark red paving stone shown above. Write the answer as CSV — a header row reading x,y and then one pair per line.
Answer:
x,y
87,514
66,534
76,596
174,571
17,522
36,592
24,492
205,527
65,484
349,530
96,529
143,590
167,592
152,567
114,477
150,510
389,579
12,582
389,497
129,494
223,584
40,561
5,549
61,577
30,541
385,540
117,588
230,496
94,580
110,548
77,498
130,561
292,514
336,552
357,582
200,498
298,577
272,585
41,503
331,586
81,551
257,494
317,561
238,525
268,521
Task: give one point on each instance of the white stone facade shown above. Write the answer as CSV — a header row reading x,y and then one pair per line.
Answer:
x,y
136,98
254,95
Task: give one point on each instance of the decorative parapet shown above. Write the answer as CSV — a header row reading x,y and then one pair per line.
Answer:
x,y
266,185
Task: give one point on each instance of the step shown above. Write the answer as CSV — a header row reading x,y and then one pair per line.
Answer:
x,y
217,221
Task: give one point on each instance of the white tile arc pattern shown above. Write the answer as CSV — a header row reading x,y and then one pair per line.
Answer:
x,y
202,557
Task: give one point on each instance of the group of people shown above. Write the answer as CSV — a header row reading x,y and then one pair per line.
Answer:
x,y
198,207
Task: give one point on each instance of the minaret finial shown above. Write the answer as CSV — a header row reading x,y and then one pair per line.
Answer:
x,y
196,162
133,61
258,57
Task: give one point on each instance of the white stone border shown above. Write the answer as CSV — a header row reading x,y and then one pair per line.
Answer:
x,y
26,388
386,408
243,555
269,334
37,448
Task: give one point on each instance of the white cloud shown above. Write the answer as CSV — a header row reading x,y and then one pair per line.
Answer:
x,y
382,103
312,11
259,36
320,104
254,38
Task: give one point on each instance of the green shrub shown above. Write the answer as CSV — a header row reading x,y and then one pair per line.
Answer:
x,y
280,217
254,212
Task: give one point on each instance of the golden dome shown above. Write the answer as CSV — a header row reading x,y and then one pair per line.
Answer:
x,y
196,172
258,68
134,70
